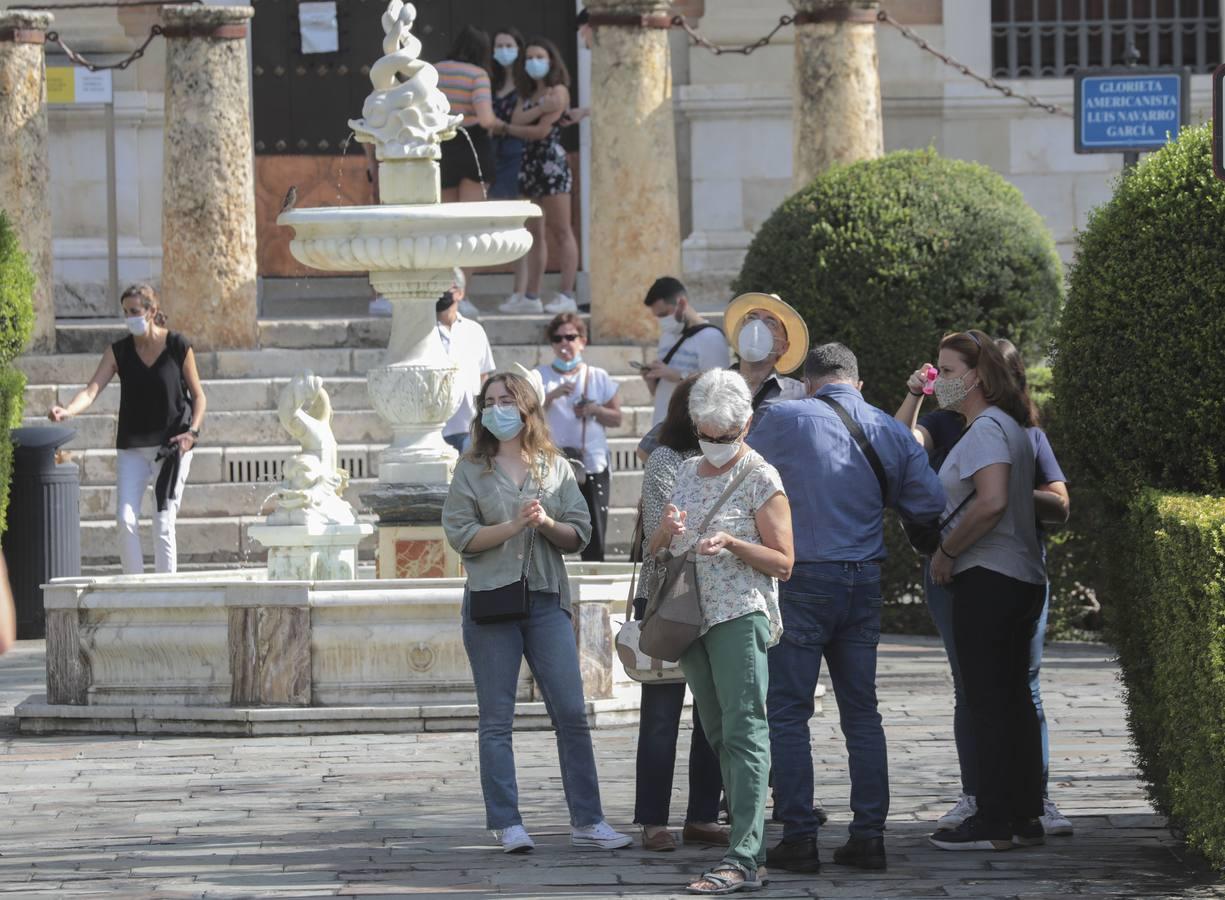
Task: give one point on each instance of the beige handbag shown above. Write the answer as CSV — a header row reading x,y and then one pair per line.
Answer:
x,y
638,665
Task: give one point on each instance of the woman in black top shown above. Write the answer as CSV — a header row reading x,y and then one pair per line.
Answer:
x,y
161,407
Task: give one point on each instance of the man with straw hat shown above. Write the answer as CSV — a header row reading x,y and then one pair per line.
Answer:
x,y
771,339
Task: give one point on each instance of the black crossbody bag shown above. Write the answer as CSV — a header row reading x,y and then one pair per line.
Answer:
x,y
510,602
924,537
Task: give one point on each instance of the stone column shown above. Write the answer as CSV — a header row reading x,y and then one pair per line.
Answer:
x,y
24,174
836,115
635,217
208,181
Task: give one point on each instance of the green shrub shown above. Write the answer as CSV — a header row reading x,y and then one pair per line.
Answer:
x,y
888,255
1169,629
1138,373
16,295
12,388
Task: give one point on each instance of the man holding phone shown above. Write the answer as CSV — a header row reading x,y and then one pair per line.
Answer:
x,y
687,343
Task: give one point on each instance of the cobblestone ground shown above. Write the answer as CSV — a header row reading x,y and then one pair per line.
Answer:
x,y
401,815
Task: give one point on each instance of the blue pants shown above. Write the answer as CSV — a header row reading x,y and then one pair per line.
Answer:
x,y
658,724
495,652
830,610
940,604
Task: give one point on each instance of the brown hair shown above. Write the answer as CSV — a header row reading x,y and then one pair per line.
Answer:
x,y
558,73
148,300
537,443
566,319
1012,359
677,431
995,376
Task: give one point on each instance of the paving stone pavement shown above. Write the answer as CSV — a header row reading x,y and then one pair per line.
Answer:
x,y
401,815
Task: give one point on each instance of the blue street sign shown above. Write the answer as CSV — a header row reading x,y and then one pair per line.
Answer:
x,y
1130,110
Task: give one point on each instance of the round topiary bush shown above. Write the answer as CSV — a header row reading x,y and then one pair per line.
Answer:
x,y
890,254
16,294
1139,378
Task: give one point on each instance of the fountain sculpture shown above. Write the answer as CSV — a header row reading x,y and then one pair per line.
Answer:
x,y
294,650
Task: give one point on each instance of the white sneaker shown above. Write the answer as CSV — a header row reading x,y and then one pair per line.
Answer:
x,y
1053,821
966,807
380,307
468,309
600,835
519,304
515,839
562,303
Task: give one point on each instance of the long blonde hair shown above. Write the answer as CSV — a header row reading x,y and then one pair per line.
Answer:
x,y
537,443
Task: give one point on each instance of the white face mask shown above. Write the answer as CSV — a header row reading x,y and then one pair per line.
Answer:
x,y
755,342
670,325
719,455
138,325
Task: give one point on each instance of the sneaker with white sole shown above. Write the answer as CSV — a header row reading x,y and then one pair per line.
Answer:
x,y
966,806
601,835
517,304
562,303
515,839
1053,821
468,309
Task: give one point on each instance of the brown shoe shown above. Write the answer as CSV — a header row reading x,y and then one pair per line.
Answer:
x,y
711,835
660,842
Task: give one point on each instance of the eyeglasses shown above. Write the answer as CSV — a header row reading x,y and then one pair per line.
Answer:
x,y
558,338
725,439
502,402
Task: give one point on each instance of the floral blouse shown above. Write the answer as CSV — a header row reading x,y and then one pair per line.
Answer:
x,y
658,479
730,588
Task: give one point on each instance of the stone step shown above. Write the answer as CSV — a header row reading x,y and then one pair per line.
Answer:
x,y
203,500
232,465
78,368
239,394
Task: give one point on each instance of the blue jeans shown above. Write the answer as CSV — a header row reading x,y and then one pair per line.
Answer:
x,y
830,610
495,652
940,604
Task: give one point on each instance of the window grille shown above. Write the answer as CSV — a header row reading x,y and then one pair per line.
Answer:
x,y
1054,38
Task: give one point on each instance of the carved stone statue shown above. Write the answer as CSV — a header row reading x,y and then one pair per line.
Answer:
x,y
406,116
312,487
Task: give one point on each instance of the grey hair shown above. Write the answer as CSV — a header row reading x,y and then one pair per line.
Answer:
x,y
720,401
831,362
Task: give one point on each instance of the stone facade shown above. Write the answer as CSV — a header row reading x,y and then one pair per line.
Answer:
x,y
24,175
208,183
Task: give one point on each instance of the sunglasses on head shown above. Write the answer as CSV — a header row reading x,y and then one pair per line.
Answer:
x,y
558,338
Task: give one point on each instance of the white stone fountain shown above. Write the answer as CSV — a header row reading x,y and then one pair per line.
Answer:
x,y
291,650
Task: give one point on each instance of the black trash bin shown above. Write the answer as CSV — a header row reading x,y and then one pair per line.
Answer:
x,y
43,537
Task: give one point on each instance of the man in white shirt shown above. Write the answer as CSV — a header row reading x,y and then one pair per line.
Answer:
x,y
466,343
687,343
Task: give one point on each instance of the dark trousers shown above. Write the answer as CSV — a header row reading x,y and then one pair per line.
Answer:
x,y
658,724
596,491
994,619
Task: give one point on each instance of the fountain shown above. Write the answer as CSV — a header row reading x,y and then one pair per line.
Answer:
x,y
307,647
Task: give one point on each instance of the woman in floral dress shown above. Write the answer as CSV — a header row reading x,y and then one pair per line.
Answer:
x,y
741,555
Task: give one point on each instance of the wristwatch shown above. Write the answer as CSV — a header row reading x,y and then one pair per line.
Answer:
x,y
194,432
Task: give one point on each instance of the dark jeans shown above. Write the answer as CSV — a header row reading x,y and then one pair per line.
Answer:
x,y
940,605
659,721
830,610
595,491
994,619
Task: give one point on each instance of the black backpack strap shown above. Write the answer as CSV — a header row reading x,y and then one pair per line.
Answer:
x,y
685,335
865,446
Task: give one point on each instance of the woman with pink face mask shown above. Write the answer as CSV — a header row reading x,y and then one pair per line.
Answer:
x,y
161,409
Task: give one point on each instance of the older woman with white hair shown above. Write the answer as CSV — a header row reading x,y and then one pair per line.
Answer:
x,y
742,553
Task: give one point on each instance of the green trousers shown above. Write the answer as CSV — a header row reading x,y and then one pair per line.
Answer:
x,y
727,673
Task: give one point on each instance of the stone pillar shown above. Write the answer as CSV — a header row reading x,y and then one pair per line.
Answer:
x,y
836,115
208,181
24,174
635,216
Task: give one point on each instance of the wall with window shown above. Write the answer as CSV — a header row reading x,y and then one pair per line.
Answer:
x,y
739,110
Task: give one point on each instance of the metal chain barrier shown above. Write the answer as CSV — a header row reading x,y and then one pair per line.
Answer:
x,y
154,31
883,17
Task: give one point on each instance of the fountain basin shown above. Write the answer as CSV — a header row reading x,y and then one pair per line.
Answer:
x,y
230,652
407,238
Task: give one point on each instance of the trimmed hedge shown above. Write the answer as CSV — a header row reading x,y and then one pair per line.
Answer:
x,y
1169,629
16,294
12,397
888,255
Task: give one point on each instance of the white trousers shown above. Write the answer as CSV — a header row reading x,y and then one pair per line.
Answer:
x,y
137,471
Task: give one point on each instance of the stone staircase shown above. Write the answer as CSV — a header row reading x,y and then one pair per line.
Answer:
x,y
242,447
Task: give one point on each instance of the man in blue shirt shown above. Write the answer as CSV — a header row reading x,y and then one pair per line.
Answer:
x,y
831,606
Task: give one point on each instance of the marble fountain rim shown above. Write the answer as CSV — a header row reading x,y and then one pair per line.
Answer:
x,y
399,219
